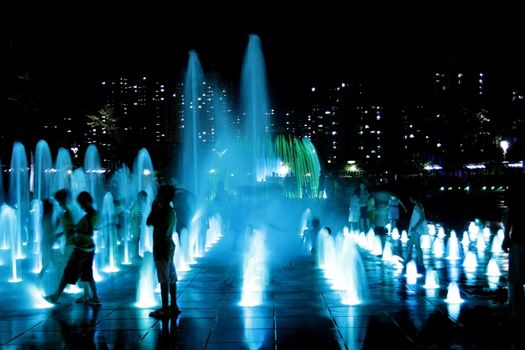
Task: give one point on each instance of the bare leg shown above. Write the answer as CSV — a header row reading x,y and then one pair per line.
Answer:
x,y
93,288
173,297
164,295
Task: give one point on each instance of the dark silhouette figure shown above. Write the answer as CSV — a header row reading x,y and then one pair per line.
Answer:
x,y
163,219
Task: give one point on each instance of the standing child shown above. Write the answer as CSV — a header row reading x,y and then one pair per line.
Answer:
x,y
163,219
80,263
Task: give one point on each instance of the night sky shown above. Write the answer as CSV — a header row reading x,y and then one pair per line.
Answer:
x,y
394,50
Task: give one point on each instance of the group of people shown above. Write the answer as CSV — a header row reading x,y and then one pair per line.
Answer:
x,y
367,211
80,244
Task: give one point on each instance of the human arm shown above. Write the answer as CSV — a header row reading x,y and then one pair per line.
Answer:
x,y
152,217
421,220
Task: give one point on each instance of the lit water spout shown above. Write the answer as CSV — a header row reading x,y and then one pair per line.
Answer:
x,y
453,295
431,279
214,232
190,168
496,245
254,271
37,298
412,274
355,282
471,262
43,170
255,104
453,246
146,284
9,228
108,234
493,268
19,197
36,220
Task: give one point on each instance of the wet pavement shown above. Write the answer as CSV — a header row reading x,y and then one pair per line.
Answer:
x,y
300,310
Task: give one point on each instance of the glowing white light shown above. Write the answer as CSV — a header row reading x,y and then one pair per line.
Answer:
x,y
453,295
504,144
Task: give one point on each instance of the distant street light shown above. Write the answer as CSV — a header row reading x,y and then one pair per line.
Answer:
x,y
504,144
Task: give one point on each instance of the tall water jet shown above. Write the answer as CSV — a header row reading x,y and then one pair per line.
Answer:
x,y
19,196
254,271
8,228
108,234
36,222
43,170
79,184
190,168
119,186
355,281
94,174
255,108
146,285
64,170
145,180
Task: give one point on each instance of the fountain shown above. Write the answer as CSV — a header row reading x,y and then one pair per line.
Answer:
x,y
64,171
356,284
108,235
9,232
453,246
431,280
254,270
19,197
192,149
411,272
493,268
43,171
145,289
453,295
94,175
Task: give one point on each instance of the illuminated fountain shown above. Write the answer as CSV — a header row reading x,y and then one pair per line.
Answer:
x,y
94,175
43,171
108,234
146,287
254,270
356,284
64,171
19,197
471,262
9,234
144,179
431,279
453,246
411,272
453,294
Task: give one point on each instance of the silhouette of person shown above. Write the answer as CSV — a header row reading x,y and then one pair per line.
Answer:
x,y
163,219
417,227
49,225
80,263
66,225
137,222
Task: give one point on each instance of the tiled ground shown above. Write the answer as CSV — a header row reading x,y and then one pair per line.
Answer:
x,y
300,310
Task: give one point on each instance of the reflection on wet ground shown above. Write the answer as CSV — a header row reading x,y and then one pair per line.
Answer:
x,y
300,310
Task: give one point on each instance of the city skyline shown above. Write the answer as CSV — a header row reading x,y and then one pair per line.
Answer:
x,y
383,49
395,59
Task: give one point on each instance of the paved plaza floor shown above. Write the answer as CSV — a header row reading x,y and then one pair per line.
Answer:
x,y
300,310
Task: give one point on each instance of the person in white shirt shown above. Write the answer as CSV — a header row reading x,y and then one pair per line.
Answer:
x,y
416,228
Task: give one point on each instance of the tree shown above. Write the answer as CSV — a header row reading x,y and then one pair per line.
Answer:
x,y
104,130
